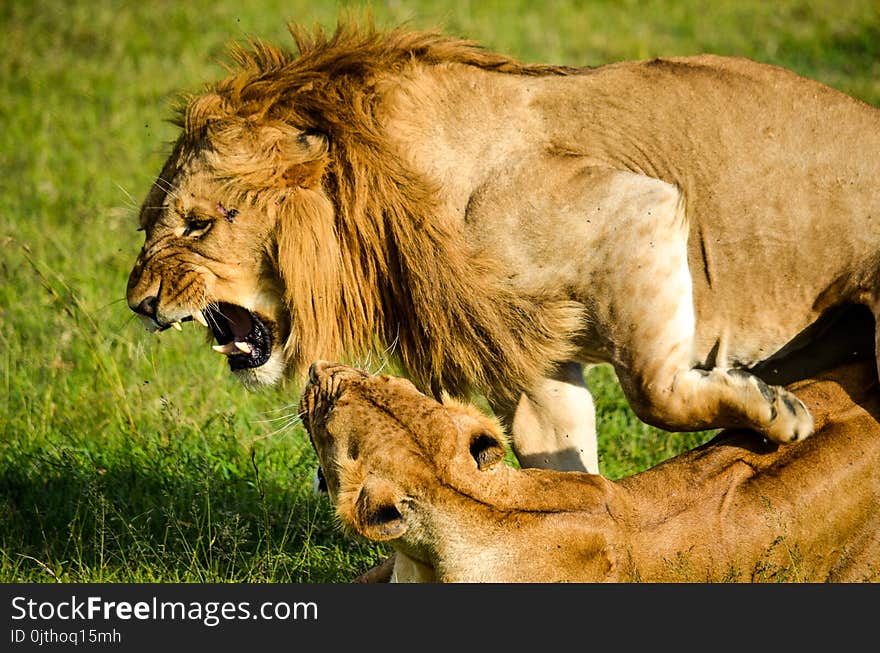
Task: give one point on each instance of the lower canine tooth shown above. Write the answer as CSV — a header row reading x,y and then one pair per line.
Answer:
x,y
227,349
243,347
177,326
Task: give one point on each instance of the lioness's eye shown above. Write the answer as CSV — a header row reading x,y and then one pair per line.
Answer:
x,y
195,227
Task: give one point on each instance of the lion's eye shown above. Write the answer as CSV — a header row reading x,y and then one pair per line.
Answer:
x,y
196,227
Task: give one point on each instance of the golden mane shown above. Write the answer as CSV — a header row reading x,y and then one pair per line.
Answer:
x,y
370,236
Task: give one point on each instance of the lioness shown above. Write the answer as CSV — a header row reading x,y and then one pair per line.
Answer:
x,y
429,478
694,222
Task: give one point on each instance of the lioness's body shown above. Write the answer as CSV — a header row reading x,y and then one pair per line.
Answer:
x,y
497,225
400,467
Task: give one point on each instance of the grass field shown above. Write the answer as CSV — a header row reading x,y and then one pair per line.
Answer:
x,y
131,457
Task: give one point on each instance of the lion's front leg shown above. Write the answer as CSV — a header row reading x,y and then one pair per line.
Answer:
x,y
694,399
554,424
653,329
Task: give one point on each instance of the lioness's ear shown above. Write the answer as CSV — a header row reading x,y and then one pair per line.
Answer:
x,y
376,513
486,449
483,435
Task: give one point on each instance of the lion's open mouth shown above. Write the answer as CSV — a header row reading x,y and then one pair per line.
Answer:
x,y
241,335
319,482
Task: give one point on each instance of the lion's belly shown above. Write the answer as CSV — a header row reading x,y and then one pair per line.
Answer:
x,y
760,280
742,322
734,343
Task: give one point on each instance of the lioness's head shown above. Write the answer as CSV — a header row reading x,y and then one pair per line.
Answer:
x,y
234,223
386,449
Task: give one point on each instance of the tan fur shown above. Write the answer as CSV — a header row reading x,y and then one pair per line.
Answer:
x,y
496,225
429,479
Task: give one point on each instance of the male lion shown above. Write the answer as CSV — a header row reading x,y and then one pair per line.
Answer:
x,y
429,479
497,225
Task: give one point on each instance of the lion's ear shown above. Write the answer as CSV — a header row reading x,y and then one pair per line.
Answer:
x,y
267,154
486,449
304,175
376,512
201,110
309,156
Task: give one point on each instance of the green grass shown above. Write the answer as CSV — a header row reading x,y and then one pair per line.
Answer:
x,y
129,457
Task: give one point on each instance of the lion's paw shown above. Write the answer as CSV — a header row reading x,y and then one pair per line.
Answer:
x,y
790,421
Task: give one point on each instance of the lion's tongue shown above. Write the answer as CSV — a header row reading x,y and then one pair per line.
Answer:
x,y
239,321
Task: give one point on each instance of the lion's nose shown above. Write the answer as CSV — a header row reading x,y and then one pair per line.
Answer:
x,y
147,307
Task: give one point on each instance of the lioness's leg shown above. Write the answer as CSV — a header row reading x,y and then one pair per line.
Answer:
x,y
408,570
381,573
554,424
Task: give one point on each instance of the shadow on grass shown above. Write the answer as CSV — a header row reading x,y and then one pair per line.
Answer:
x,y
67,516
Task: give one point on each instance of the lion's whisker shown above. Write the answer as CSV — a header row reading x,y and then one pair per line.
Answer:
x,y
168,187
286,416
127,194
279,409
126,320
213,310
285,427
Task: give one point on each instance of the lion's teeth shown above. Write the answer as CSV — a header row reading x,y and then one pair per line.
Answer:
x,y
177,326
232,348
199,317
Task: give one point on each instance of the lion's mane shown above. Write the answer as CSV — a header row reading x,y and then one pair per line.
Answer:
x,y
366,255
